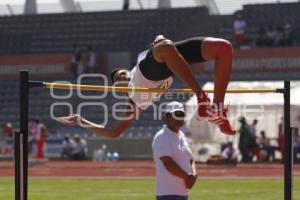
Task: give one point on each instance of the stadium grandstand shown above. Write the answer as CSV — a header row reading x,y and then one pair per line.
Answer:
x,y
83,41
40,37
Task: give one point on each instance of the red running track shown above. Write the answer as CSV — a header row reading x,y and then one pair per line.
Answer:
x,y
129,169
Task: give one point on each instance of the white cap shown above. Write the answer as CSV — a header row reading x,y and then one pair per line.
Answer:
x,y
174,106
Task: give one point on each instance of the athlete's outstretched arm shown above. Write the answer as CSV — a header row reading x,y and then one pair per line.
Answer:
x,y
116,130
166,52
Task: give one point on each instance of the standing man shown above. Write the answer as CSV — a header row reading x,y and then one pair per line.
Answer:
x,y
253,127
91,60
247,143
175,167
75,61
239,28
7,133
281,138
38,134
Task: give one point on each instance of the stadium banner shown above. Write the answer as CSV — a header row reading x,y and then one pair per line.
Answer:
x,y
44,65
252,64
260,63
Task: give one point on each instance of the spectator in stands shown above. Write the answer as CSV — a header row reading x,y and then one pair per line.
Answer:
x,y
296,146
79,148
262,38
266,37
255,150
126,4
7,134
281,36
175,168
247,143
239,29
67,149
278,36
76,61
155,68
288,35
267,152
230,154
270,36
91,60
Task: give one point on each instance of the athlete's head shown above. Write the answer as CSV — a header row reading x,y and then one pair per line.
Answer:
x,y
120,76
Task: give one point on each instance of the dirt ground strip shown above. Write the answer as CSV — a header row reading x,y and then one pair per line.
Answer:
x,y
91,169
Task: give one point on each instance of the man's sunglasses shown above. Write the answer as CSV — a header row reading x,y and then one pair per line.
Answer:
x,y
177,115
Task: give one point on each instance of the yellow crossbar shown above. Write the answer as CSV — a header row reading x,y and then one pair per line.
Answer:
x,y
143,90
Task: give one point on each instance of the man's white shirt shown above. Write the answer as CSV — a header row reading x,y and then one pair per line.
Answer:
x,y
239,26
168,143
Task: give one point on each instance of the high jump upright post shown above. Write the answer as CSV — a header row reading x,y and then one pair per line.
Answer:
x,y
21,142
288,158
21,137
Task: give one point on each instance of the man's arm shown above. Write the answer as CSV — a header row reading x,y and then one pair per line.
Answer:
x,y
166,52
115,131
191,180
194,169
173,167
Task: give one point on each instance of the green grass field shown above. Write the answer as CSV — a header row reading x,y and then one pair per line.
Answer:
x,y
69,189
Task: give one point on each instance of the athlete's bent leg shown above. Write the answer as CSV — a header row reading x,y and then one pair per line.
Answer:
x,y
221,51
